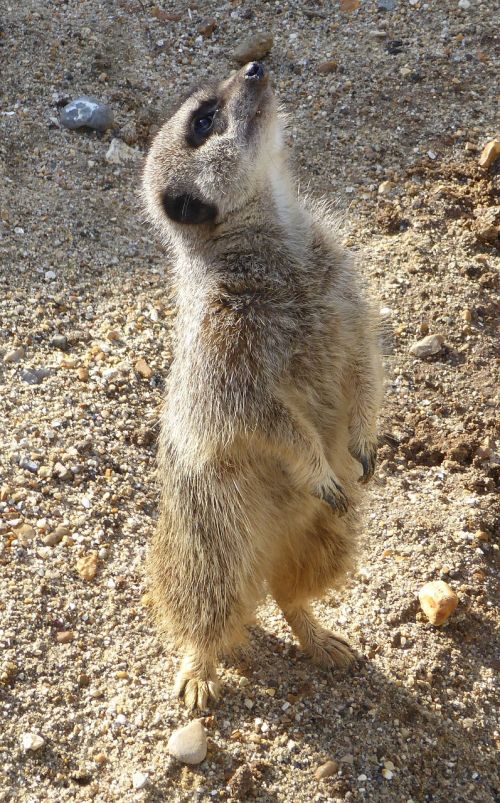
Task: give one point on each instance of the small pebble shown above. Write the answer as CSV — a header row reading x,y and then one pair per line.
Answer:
x,y
207,26
16,355
327,67
428,346
487,224
25,534
65,636
347,759
35,376
85,112
189,744
326,769
438,601
139,780
32,741
464,4
119,152
29,465
87,566
490,153
255,47
59,342
385,187
143,369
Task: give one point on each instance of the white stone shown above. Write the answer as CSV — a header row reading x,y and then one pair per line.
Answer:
x,y
428,346
139,780
119,152
32,741
189,744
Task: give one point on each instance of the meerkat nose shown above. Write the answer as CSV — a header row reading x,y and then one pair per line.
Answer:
x,y
254,71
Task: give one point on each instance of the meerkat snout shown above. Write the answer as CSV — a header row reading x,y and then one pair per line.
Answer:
x,y
254,71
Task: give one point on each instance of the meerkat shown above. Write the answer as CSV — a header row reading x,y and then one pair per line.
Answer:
x,y
269,427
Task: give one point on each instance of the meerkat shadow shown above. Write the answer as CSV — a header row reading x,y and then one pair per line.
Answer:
x,y
321,715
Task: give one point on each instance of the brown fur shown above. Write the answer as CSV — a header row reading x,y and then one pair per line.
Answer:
x,y
272,395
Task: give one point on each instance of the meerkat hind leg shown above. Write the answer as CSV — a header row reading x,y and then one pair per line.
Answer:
x,y
325,648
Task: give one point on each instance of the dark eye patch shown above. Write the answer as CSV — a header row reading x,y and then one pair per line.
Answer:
x,y
202,122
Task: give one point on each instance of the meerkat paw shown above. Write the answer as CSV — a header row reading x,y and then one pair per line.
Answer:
x,y
365,452
333,494
325,648
197,689
329,650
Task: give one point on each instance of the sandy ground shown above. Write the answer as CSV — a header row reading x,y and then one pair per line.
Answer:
x,y
393,135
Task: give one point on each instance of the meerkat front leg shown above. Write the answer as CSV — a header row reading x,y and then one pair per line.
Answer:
x,y
365,390
296,441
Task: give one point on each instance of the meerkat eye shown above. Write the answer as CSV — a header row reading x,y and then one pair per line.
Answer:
x,y
202,125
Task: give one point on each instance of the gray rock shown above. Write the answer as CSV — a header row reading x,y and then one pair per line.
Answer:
x,y
86,112
253,48
386,5
59,342
29,465
189,744
35,376
428,346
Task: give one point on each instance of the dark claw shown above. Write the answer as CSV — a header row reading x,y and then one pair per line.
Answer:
x,y
368,461
335,497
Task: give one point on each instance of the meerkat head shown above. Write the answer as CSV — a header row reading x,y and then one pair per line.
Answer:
x,y
213,155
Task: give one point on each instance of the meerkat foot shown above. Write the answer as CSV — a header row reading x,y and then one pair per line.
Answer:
x,y
325,648
365,452
333,494
197,686
330,650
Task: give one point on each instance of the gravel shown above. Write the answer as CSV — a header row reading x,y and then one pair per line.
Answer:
x,y
409,100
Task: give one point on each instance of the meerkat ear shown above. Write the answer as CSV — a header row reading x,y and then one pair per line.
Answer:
x,y
188,209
